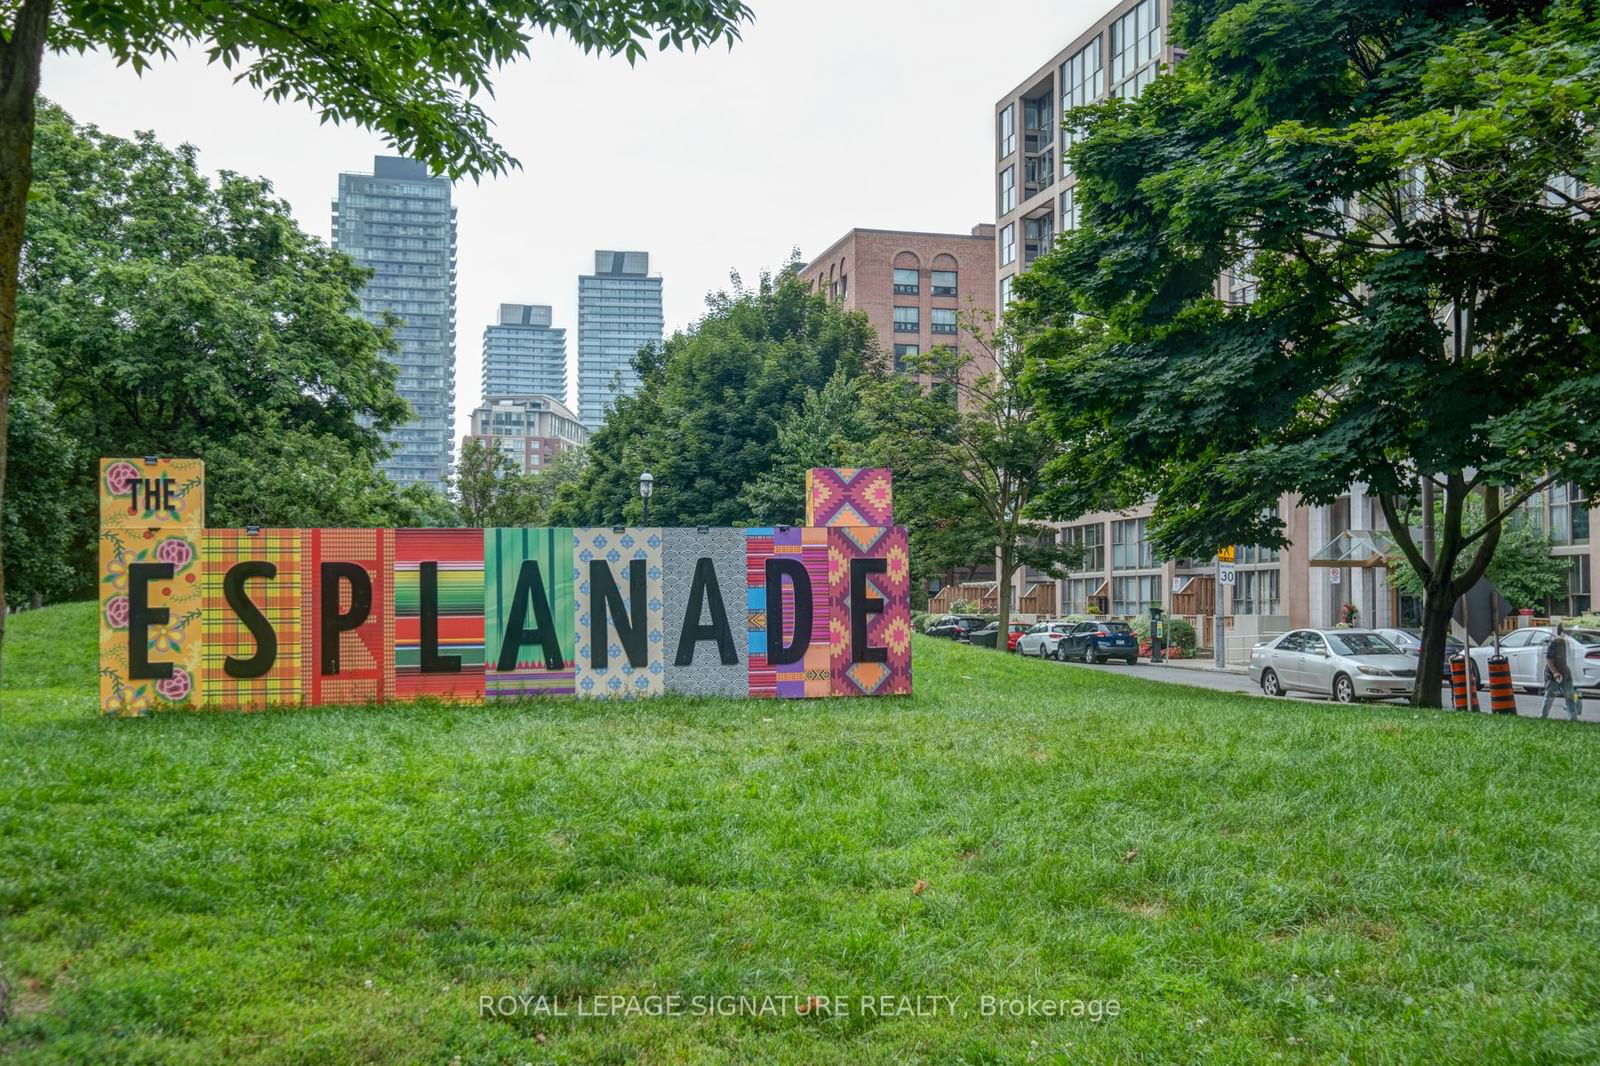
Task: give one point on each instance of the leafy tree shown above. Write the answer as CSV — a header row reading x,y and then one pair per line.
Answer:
x,y
1522,570
825,430
409,71
710,402
974,431
162,314
1399,200
485,481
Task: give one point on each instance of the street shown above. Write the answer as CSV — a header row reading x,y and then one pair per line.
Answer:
x,y
1199,676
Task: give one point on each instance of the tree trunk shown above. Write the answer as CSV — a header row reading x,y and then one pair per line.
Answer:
x,y
1008,567
1438,603
19,87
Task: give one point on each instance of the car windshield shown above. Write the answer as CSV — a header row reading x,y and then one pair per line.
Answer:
x,y
1361,644
1117,627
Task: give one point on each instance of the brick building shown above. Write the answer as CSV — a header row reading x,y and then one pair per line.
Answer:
x,y
529,429
910,284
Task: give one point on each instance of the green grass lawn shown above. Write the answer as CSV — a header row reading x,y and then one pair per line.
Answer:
x,y
1248,880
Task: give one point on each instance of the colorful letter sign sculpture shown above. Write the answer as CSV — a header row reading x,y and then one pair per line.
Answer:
x,y
250,618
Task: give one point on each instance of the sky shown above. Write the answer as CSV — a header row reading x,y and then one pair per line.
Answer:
x,y
828,114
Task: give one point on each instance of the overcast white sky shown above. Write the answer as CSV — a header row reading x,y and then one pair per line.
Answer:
x,y
828,114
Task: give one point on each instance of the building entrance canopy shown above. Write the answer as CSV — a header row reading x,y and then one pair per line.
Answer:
x,y
1357,547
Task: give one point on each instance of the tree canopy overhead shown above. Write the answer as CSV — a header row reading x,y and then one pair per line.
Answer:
x,y
410,70
1399,201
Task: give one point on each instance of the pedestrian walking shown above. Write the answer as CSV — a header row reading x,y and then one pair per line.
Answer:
x,y
1559,655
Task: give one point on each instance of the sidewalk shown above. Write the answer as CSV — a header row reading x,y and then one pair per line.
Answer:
x,y
1203,662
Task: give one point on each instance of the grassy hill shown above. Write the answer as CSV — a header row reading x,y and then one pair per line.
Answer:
x,y
1248,880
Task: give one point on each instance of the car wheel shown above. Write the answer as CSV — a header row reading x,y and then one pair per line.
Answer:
x,y
1132,660
1269,683
1344,690
1061,651
1090,656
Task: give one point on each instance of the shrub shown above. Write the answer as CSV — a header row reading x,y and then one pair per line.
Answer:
x,y
1180,633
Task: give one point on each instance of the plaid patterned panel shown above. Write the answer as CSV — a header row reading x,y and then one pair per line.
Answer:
x,y
889,628
366,653
279,600
849,496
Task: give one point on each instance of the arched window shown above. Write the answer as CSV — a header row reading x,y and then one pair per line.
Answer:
x,y
943,277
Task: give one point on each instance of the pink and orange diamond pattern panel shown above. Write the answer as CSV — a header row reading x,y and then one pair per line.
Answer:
x,y
849,496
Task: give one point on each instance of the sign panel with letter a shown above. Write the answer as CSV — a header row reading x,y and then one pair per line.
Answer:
x,y
152,522
703,611
527,612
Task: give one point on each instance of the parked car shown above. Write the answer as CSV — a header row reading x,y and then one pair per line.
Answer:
x,y
956,626
987,637
1017,629
1347,664
1041,638
1095,641
1410,642
1524,650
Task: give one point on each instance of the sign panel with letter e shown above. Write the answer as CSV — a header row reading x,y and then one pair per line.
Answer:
x,y
1225,574
1225,554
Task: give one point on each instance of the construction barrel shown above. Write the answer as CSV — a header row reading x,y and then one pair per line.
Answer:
x,y
1502,697
1458,681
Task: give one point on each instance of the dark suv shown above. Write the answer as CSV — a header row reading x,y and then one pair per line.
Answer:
x,y
956,626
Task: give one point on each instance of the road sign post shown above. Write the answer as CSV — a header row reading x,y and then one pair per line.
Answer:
x,y
1224,576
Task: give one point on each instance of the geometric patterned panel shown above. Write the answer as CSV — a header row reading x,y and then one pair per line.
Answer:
x,y
681,552
365,653
457,558
849,496
276,598
618,549
508,553
888,629
809,547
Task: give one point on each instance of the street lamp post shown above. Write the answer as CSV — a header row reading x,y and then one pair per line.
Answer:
x,y
647,485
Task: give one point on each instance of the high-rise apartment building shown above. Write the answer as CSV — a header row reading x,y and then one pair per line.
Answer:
x,y
529,430
523,354
619,312
398,221
1034,198
913,286
1330,561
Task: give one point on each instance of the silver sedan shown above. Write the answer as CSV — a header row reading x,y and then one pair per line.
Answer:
x,y
1346,664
